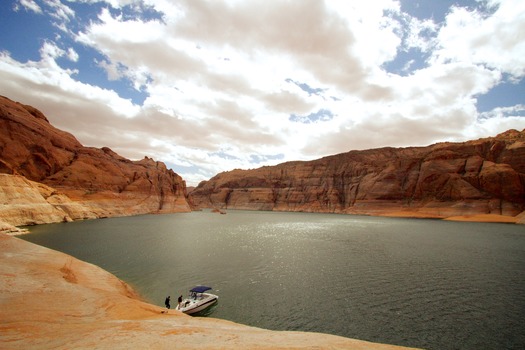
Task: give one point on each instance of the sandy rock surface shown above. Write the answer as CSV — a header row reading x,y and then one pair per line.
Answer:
x,y
49,300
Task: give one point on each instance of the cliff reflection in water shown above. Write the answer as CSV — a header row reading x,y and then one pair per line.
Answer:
x,y
422,283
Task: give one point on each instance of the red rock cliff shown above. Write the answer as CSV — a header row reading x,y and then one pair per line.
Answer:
x,y
485,176
100,181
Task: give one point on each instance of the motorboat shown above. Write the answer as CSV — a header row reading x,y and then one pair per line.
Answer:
x,y
197,300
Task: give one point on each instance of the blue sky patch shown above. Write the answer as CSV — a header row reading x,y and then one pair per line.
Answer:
x,y
223,155
307,88
321,115
506,94
436,9
407,62
259,158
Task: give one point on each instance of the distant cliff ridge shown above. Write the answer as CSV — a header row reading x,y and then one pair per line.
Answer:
x,y
50,176
484,176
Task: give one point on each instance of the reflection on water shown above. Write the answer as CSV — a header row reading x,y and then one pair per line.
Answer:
x,y
421,283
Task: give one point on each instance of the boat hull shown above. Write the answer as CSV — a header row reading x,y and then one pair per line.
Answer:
x,y
192,306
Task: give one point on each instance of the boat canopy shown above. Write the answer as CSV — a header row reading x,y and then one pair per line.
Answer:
x,y
200,289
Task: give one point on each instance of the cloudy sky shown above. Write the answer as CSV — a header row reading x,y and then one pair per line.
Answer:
x,y
209,86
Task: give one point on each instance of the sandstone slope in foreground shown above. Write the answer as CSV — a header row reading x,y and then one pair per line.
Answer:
x,y
49,300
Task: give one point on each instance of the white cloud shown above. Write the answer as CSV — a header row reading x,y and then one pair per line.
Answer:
x,y
30,5
497,41
72,55
500,119
114,70
53,86
60,11
50,51
223,79
420,34
504,112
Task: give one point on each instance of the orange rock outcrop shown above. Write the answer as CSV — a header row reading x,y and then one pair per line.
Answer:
x,y
485,176
50,175
49,300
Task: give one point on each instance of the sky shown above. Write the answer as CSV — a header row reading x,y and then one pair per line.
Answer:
x,y
211,86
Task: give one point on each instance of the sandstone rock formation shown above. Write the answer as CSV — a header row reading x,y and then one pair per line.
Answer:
x,y
74,182
49,300
26,202
485,176
11,230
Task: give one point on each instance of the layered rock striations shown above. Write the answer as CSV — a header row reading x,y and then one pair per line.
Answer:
x,y
485,176
49,176
26,202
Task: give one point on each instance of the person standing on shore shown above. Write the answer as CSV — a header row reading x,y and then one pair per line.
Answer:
x,y
167,302
180,301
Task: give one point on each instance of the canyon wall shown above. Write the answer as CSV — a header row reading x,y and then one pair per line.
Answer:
x,y
484,176
48,176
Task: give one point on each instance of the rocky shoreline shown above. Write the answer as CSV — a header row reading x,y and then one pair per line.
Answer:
x,y
50,300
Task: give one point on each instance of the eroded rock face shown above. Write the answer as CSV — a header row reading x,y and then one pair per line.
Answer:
x,y
100,181
485,176
27,202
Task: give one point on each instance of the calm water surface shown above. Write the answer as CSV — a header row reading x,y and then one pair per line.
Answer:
x,y
422,283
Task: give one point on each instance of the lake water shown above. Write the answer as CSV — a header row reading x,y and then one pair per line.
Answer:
x,y
422,283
